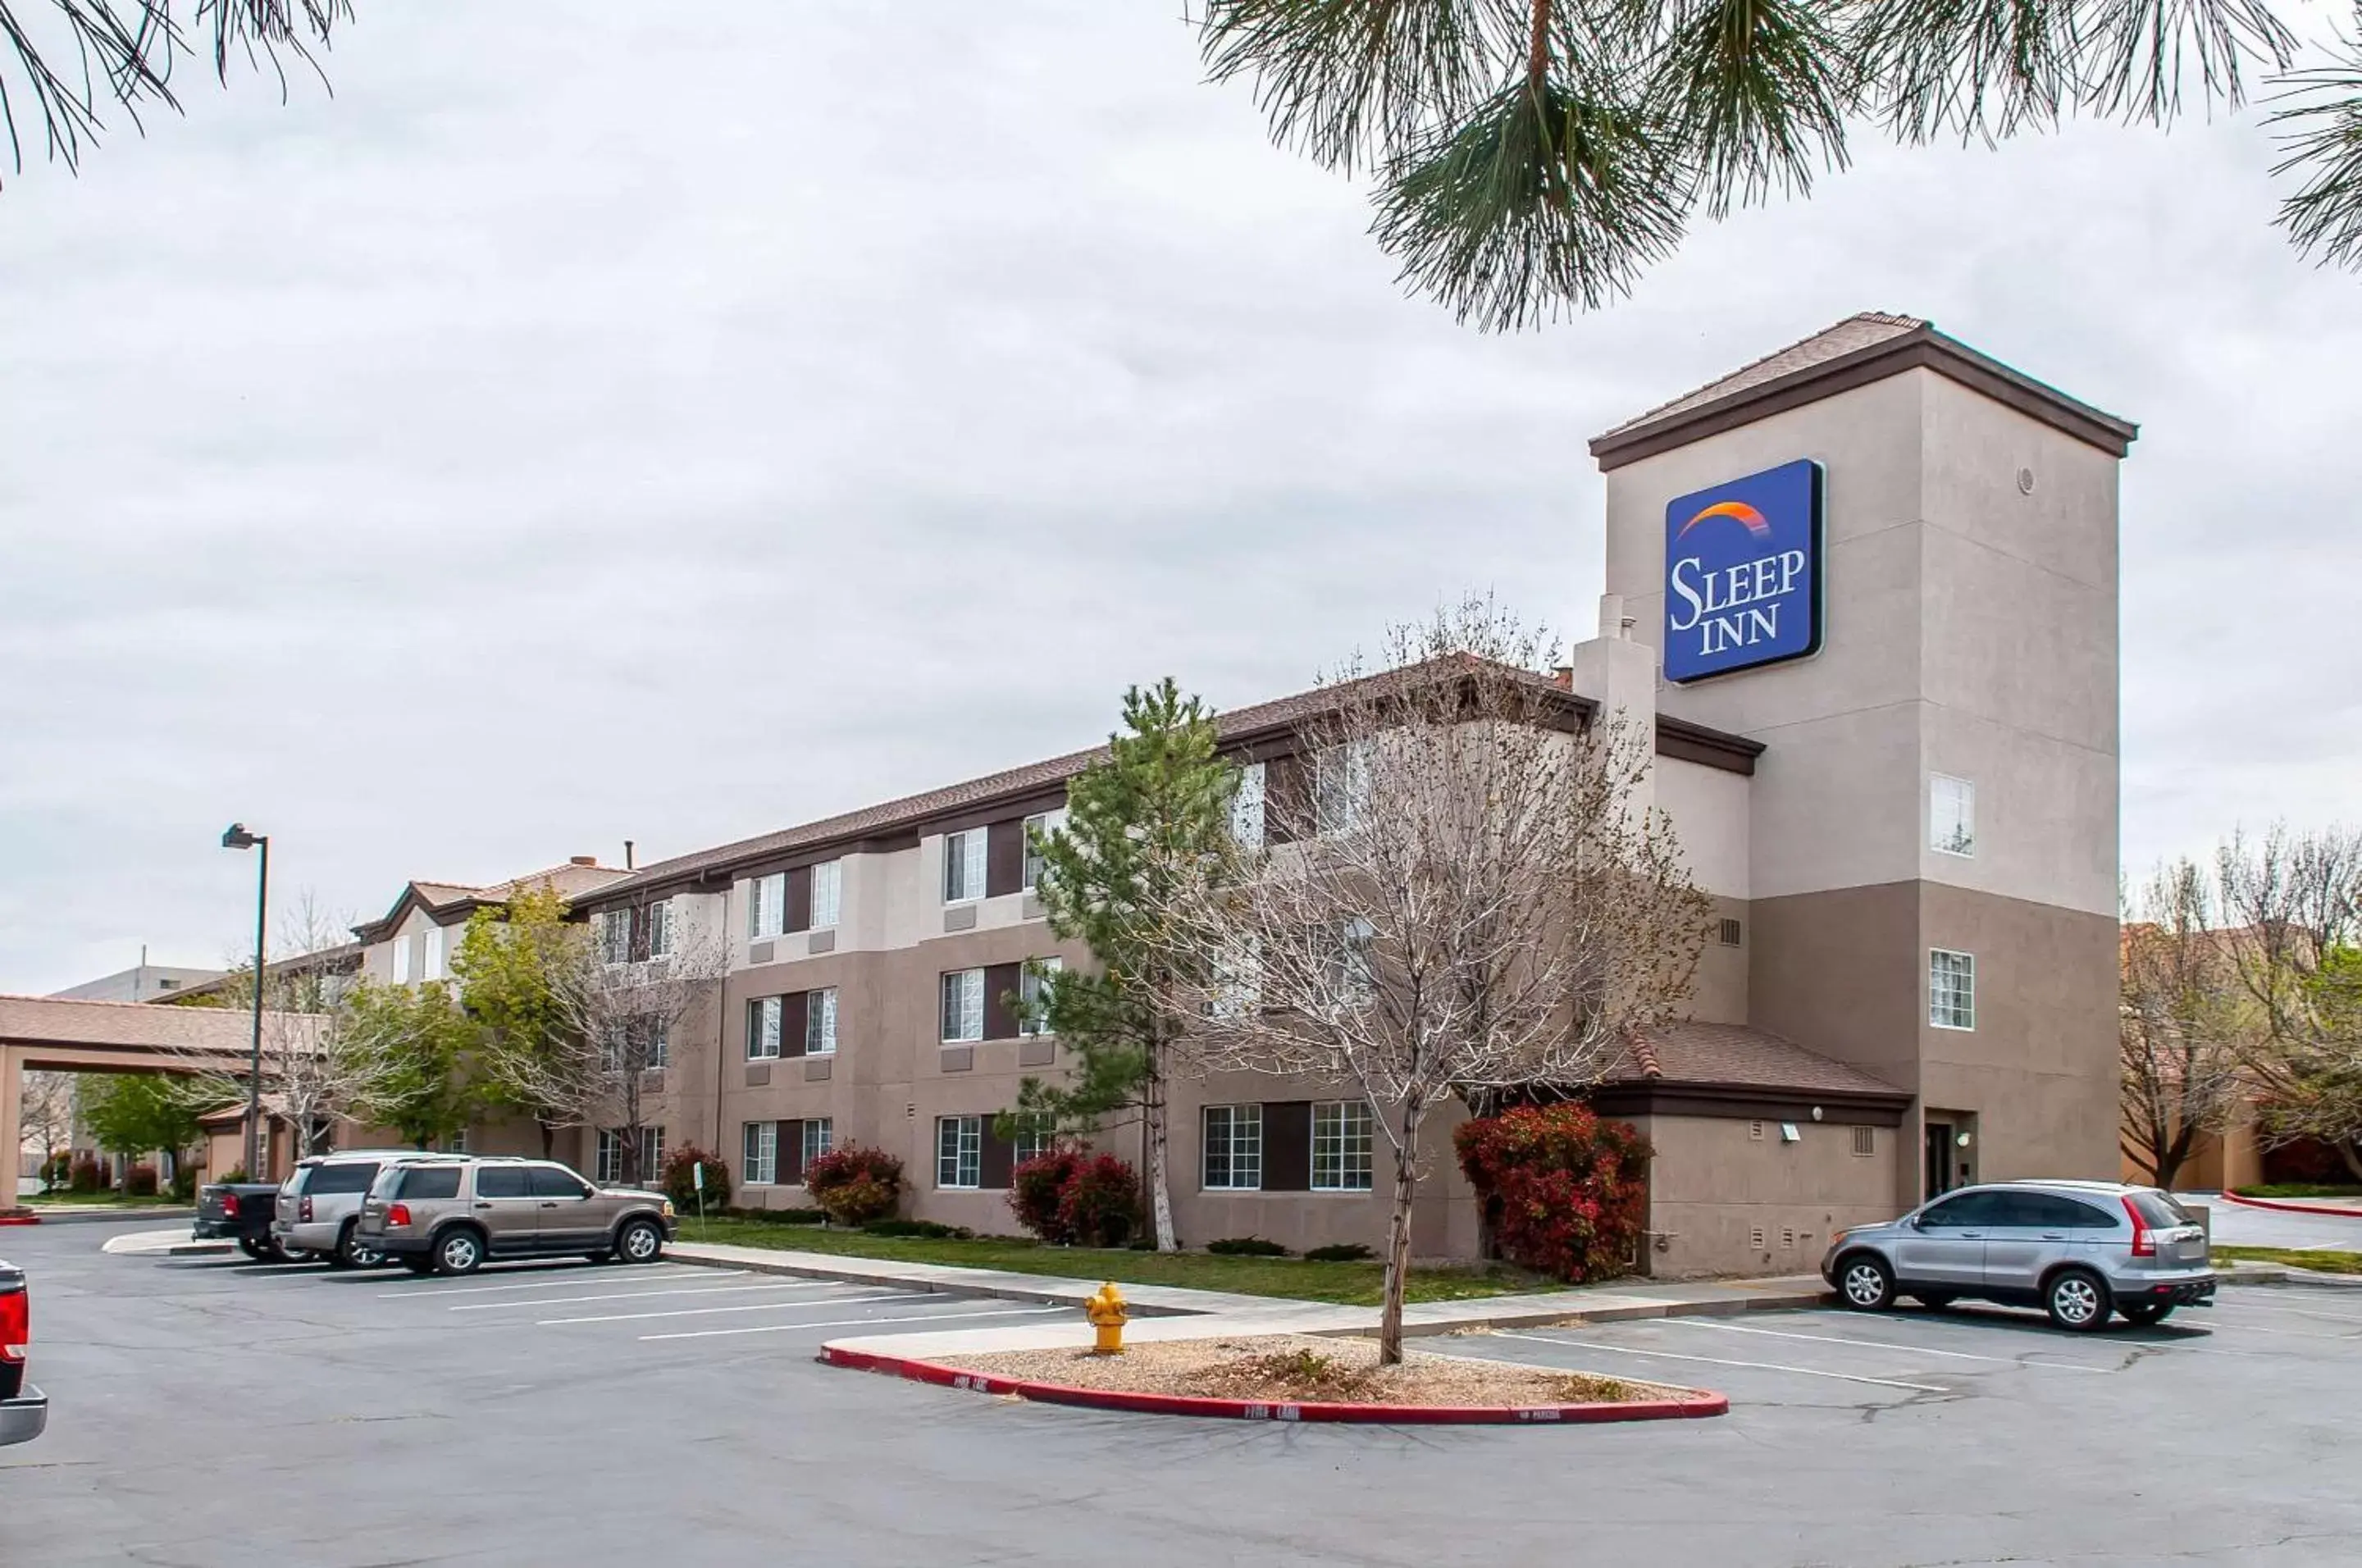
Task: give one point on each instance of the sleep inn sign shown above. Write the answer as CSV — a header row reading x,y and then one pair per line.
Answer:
x,y
1743,573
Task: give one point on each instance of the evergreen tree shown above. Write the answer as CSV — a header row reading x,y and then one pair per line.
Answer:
x,y
1138,826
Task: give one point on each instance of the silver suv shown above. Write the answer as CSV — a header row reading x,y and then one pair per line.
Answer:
x,y
2079,1250
451,1214
320,1206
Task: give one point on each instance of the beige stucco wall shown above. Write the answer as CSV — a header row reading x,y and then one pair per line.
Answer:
x,y
1713,1183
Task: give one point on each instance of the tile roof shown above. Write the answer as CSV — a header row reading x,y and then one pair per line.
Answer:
x,y
1854,332
1690,1051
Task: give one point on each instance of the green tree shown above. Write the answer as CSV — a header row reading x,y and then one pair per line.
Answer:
x,y
1140,826
519,970
1533,156
407,1052
133,1113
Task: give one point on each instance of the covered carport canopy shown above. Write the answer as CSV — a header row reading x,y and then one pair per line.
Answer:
x,y
57,1034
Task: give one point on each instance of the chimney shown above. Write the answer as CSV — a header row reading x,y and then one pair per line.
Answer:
x,y
627,855
582,860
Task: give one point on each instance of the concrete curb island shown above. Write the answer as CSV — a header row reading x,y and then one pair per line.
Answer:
x,y
1701,1403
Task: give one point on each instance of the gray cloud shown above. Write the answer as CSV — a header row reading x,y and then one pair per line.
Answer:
x,y
676,426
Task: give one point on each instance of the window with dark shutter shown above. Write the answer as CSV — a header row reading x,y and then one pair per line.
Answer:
x,y
1288,1145
639,919
799,899
1283,799
1004,858
1000,983
793,1012
1000,1158
791,1153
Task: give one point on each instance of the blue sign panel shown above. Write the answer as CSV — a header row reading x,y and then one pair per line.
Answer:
x,y
1743,573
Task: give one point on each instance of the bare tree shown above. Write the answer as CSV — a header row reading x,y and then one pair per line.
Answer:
x,y
45,1110
1467,900
2186,1026
311,1066
2293,909
642,977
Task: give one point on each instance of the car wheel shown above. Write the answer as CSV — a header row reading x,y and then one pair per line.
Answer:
x,y
354,1252
2147,1312
460,1251
1865,1284
2077,1300
253,1249
640,1242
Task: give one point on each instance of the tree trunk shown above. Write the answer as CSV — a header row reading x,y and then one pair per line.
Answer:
x,y
548,1140
2350,1150
1160,1188
1390,1317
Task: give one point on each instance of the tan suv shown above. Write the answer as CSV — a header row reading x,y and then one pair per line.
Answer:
x,y
449,1214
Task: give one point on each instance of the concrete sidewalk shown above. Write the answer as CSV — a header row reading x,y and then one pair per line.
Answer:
x,y
177,1243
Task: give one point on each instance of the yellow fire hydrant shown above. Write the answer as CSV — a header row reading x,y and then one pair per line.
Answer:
x,y
1108,1313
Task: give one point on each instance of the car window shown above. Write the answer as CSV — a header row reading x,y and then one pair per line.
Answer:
x,y
351,1175
1967,1209
554,1181
2157,1209
2041,1211
2090,1217
297,1178
428,1181
500,1181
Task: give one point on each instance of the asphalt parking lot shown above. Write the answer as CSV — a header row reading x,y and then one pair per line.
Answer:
x,y
212,1412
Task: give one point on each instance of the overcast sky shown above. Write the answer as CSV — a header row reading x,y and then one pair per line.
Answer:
x,y
674,422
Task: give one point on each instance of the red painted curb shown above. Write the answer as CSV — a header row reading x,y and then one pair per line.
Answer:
x,y
2285,1207
19,1218
1705,1404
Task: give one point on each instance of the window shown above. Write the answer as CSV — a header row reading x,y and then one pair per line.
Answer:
x,y
427,1182
1952,815
827,893
1041,823
1237,979
402,960
1352,971
1033,994
1865,1142
659,1044
2160,1210
964,1005
614,936
1246,808
1951,989
457,1144
432,969
500,1181
820,1136
1967,1209
608,1166
612,1144
959,1151
1233,1148
964,866
346,1176
168,985
660,929
1340,787
767,905
820,1022
554,1181
1034,1139
760,1150
1340,1147
764,1018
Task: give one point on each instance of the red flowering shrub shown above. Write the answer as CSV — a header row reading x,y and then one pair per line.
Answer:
x,y
139,1181
680,1169
1035,1188
854,1183
1566,1193
1099,1205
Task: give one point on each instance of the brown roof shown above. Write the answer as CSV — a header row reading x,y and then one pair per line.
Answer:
x,y
1857,350
1238,726
1731,1055
572,882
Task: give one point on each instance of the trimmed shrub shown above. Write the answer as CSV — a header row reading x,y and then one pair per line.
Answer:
x,y
1564,1192
56,1172
1246,1247
680,1179
1038,1187
856,1184
89,1175
1342,1251
184,1186
927,1230
139,1181
1099,1205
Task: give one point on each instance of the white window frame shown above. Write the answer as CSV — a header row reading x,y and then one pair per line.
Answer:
x,y
431,967
819,1022
758,1151
1241,1144
1952,815
767,906
827,894
401,959
660,929
659,1044
1031,981
765,1021
819,1138
1356,973
607,1165
614,936
1347,1129
1246,807
1237,987
1045,823
1955,983
1032,1141
971,1005
1341,788
963,865
959,1153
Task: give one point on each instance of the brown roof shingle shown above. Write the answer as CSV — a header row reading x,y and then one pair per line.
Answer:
x,y
1690,1051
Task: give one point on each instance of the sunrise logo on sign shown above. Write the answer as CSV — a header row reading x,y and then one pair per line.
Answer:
x,y
1743,573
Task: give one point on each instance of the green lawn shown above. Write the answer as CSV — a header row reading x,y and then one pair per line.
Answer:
x,y
1347,1284
2298,1189
97,1200
2320,1263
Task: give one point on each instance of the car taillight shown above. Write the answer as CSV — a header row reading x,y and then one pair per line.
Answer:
x,y
304,1210
2144,1243
15,1325
398,1215
229,1205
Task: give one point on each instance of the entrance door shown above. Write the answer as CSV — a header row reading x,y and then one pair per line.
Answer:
x,y
1941,1175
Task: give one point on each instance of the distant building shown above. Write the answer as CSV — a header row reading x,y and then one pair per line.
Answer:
x,y
142,982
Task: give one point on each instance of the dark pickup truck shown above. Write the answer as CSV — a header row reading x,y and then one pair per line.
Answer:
x,y
241,1212
23,1411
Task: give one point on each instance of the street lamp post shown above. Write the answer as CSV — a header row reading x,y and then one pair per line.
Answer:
x,y
237,837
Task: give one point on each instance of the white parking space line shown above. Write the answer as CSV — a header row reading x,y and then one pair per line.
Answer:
x,y
863,1322
707,1311
1878,1345
2354,1317
1723,1361
563,1278
537,1302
